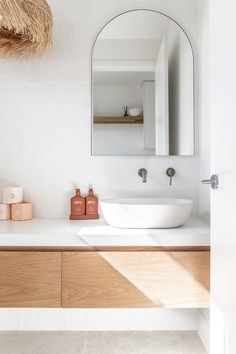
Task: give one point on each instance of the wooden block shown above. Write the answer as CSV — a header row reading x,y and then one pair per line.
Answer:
x,y
5,212
21,211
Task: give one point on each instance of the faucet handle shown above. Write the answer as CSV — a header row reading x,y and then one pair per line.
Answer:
x,y
213,181
170,173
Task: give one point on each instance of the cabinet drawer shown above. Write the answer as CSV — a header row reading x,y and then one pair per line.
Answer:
x,y
135,279
30,279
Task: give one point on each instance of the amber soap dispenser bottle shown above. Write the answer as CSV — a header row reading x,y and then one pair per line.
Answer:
x,y
92,205
77,206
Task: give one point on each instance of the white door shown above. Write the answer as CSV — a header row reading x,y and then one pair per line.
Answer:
x,y
161,99
149,135
223,162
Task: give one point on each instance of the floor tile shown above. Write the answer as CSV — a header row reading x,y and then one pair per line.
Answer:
x,y
156,342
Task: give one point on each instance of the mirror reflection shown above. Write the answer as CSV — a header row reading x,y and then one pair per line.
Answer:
x,y
142,69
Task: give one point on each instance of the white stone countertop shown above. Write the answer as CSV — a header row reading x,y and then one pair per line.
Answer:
x,y
96,233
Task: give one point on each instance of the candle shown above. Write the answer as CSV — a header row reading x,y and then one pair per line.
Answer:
x,y
12,195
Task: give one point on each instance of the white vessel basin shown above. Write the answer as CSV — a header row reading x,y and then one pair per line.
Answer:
x,y
146,213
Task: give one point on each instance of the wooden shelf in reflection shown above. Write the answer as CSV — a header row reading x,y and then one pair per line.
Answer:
x,y
117,120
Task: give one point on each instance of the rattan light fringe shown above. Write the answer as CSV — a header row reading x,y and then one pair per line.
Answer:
x,y
25,27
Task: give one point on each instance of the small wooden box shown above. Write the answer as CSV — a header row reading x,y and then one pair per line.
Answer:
x,y
5,212
21,211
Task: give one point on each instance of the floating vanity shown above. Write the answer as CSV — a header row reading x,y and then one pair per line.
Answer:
x,y
61,263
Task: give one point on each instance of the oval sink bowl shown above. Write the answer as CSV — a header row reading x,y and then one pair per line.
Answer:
x,y
146,213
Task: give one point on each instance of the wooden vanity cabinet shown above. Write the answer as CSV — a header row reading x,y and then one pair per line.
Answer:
x,y
30,279
114,278
136,279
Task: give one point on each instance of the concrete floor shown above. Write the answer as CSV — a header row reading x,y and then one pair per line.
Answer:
x,y
166,342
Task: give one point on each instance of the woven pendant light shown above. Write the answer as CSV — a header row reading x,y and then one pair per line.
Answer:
x,y
25,27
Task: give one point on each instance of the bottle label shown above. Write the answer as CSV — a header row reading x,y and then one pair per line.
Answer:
x,y
78,207
76,202
91,206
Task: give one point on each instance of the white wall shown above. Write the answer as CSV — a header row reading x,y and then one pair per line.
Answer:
x,y
98,319
109,99
144,26
118,139
203,109
45,108
126,49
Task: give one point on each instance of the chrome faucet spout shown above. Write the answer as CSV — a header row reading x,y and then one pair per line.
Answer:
x,y
142,172
170,173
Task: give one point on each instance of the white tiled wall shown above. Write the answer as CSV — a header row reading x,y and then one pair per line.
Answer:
x,y
45,108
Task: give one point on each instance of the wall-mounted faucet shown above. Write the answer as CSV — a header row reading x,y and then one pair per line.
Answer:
x,y
170,173
142,172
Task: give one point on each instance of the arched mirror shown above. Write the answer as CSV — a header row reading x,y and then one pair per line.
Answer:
x,y
142,87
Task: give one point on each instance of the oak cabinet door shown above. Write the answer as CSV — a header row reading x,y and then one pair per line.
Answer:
x,y
30,279
135,279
